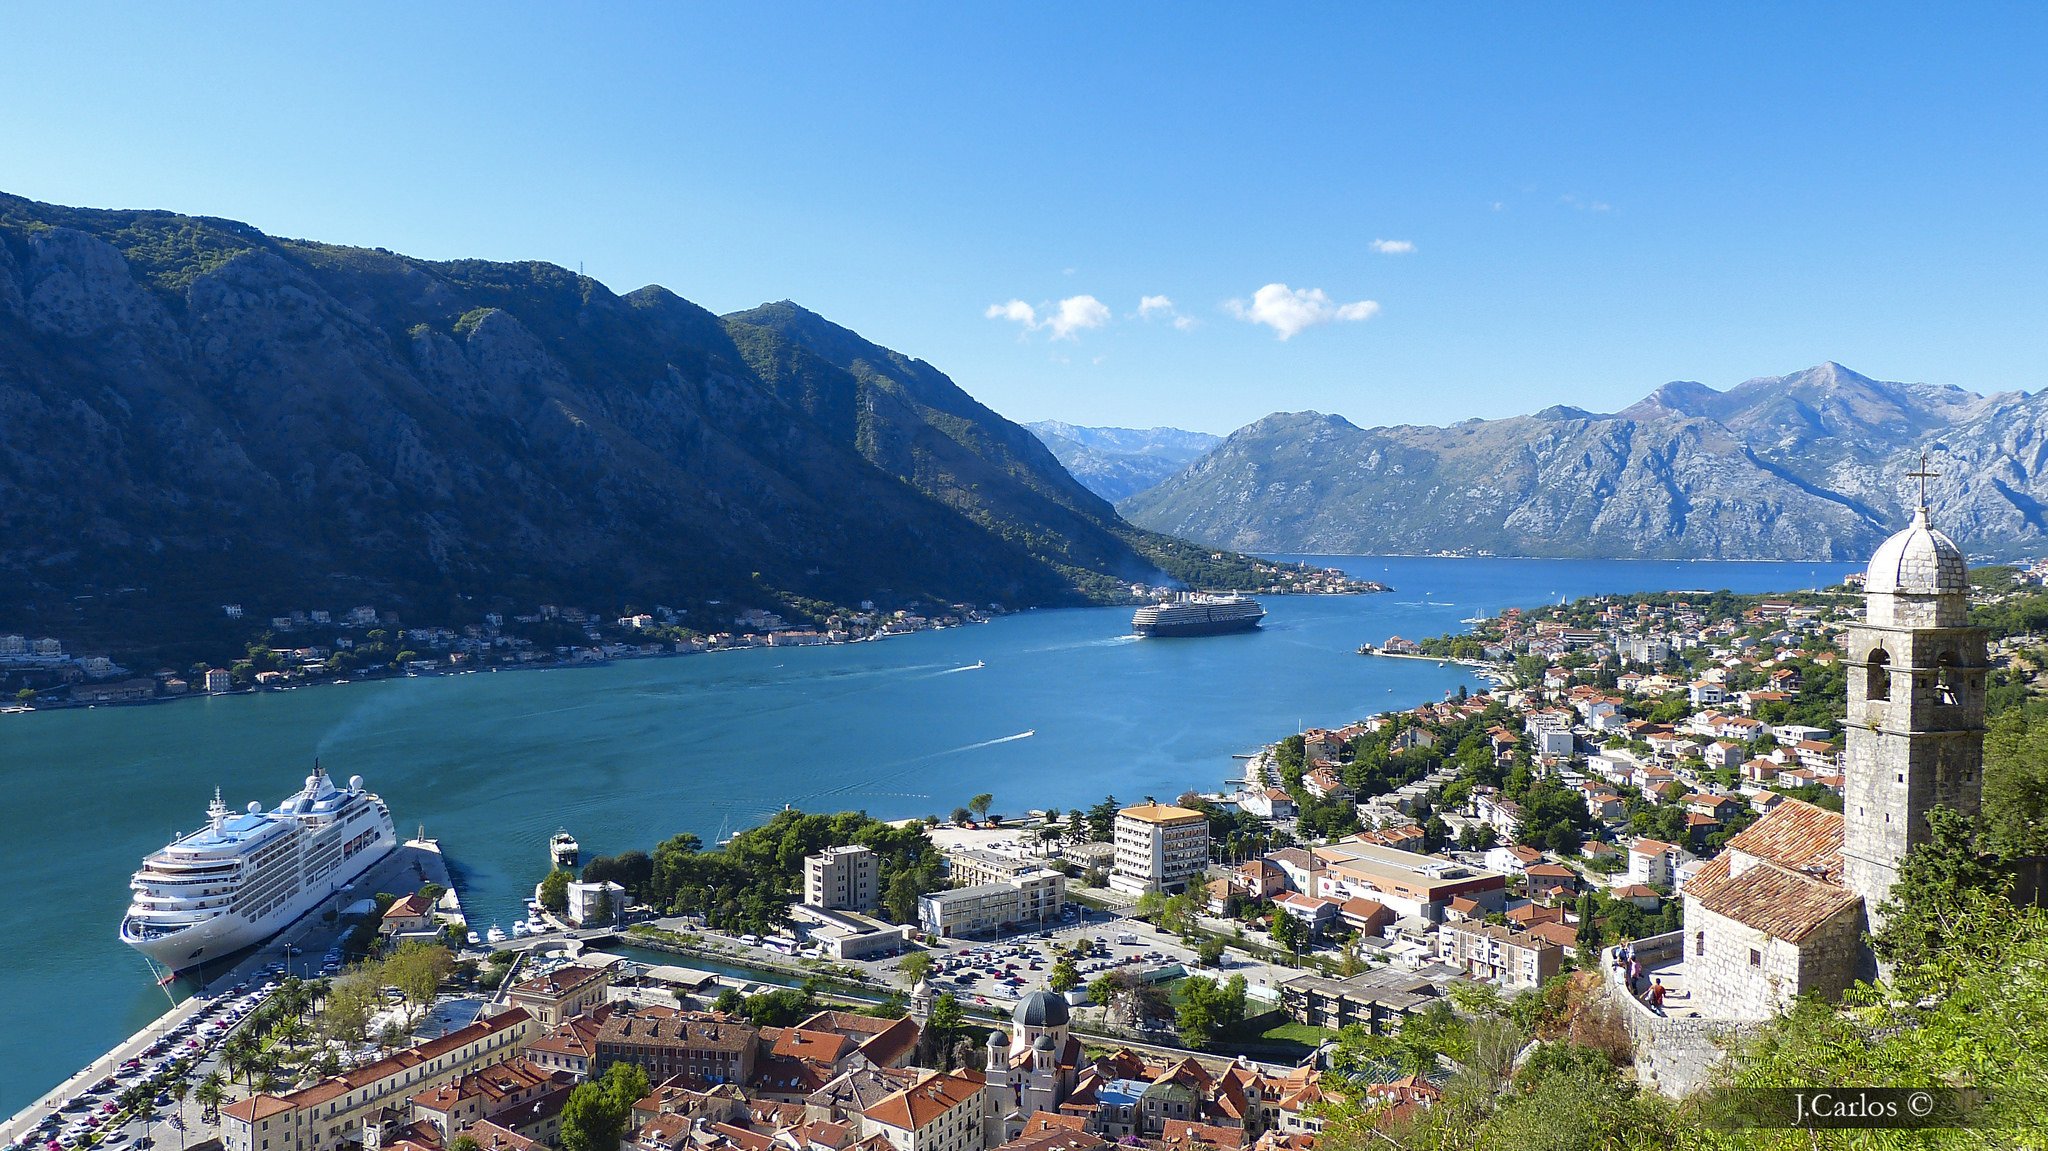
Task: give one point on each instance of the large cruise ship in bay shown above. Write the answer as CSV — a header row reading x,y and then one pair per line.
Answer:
x,y
245,876
1197,613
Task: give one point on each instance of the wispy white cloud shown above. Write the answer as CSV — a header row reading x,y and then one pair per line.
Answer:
x,y
1076,314
1393,247
1161,308
1291,311
1574,200
1016,311
1065,319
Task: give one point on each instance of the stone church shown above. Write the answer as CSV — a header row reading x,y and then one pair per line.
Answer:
x,y
1783,910
1036,1070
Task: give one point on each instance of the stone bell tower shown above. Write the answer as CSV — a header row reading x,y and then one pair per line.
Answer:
x,y
1916,672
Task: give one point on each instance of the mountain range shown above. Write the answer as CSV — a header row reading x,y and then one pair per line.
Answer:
x,y
1806,466
194,413
1116,463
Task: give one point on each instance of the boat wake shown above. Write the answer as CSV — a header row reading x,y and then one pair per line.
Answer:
x,y
903,768
977,665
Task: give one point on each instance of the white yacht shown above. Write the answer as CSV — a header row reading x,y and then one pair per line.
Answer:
x,y
243,877
563,850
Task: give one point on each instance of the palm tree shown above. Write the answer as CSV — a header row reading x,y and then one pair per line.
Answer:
x,y
238,1055
211,1092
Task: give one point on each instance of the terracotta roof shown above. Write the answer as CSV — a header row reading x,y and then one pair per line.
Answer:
x,y
1160,813
811,1046
1649,847
411,907
1181,1132
255,1107
370,1073
927,1102
1772,899
1364,909
560,982
1555,932
1797,835
890,1044
1054,1139
1529,913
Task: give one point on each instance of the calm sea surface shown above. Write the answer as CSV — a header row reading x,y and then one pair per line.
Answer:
x,y
1065,708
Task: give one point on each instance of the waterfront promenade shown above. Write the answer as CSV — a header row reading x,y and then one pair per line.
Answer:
x,y
406,869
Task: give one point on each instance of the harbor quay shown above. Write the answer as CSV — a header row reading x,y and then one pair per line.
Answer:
x,y
295,950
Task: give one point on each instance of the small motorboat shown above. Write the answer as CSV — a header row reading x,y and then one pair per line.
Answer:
x,y
495,935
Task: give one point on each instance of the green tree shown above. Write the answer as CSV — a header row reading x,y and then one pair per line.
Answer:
x,y
1289,932
1589,932
948,1018
595,1116
1102,819
417,970
2016,783
210,1094
1064,976
554,890
980,805
465,1143
1209,953
1939,887
780,1007
914,967
1208,1007
899,902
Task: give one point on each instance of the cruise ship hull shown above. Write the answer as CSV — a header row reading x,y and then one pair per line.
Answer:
x,y
1198,627
229,932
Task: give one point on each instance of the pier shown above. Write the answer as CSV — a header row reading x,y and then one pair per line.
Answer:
x,y
409,867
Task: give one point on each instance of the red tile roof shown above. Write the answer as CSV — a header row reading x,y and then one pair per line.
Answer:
x,y
1775,900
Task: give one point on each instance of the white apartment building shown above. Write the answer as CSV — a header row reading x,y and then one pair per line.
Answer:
x,y
843,879
1029,898
1159,847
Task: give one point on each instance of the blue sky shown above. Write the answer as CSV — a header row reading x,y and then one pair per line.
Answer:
x,y
1578,202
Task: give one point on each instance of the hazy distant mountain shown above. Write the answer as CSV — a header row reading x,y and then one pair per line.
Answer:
x,y
193,413
1807,466
1116,463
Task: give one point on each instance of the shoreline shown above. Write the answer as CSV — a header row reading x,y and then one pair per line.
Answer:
x,y
568,664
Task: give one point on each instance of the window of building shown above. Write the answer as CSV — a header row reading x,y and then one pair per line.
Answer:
x,y
1756,958
1877,680
1700,943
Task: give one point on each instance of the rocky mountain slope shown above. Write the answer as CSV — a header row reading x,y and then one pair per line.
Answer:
x,y
1117,463
1806,466
193,413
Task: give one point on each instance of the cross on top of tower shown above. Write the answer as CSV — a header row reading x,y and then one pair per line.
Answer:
x,y
1923,475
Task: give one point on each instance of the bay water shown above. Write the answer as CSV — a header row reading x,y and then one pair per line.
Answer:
x,y
1042,708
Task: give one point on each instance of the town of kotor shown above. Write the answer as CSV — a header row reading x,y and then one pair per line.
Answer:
x,y
1334,578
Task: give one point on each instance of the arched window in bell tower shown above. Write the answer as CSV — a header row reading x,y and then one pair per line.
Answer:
x,y
1877,678
1945,680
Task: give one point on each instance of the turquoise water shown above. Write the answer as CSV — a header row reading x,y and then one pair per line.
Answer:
x,y
1065,708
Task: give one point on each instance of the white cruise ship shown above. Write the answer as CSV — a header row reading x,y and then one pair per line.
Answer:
x,y
1198,613
245,876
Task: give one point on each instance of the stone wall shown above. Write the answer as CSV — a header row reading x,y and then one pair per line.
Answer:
x,y
1675,1055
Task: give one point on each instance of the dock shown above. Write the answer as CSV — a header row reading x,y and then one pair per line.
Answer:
x,y
417,862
